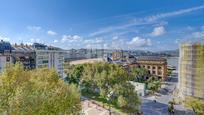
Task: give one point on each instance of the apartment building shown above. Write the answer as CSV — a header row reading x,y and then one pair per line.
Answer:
x,y
5,54
191,70
49,57
24,54
32,56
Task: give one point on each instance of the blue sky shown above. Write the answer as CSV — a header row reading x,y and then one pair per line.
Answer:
x,y
120,24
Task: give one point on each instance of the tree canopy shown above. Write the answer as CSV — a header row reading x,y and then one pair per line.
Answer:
x,y
196,104
37,91
111,82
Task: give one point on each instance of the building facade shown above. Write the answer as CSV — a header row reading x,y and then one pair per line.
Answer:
x,y
191,70
5,54
50,59
24,54
157,66
32,56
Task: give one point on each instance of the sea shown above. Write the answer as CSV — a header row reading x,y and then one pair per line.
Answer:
x,y
173,61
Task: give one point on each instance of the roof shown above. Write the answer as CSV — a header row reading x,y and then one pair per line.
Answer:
x,y
150,58
23,49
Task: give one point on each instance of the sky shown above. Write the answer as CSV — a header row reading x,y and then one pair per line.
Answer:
x,y
153,25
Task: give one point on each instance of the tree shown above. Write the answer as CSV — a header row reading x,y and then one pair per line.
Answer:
x,y
196,104
139,74
153,84
111,82
128,99
74,74
34,92
171,106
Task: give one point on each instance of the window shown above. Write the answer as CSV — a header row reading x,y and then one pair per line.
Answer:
x,y
45,61
159,73
148,67
153,72
159,67
153,67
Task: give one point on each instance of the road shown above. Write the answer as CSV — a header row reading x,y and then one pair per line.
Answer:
x,y
162,97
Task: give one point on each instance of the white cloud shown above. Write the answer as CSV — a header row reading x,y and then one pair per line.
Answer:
x,y
144,21
115,38
70,38
4,38
198,34
52,33
139,42
177,41
32,40
55,41
98,40
202,27
34,28
158,31
174,13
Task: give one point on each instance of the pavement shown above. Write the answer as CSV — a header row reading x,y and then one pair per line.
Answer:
x,y
162,97
91,108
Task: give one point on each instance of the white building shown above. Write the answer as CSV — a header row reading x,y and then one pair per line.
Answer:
x,y
139,88
3,61
5,54
51,59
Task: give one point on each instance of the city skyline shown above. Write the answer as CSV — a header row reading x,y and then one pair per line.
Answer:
x,y
138,25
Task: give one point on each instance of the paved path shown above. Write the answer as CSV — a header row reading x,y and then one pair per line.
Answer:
x,y
90,108
149,107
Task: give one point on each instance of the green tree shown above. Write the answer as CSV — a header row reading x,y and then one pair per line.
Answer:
x,y
111,82
128,99
139,74
34,92
75,73
196,104
153,84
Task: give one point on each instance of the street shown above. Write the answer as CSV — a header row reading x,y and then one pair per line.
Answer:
x,y
162,97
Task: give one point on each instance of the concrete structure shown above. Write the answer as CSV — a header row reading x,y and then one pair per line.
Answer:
x,y
191,70
5,54
157,66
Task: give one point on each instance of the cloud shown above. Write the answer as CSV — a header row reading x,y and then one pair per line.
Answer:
x,y
115,38
198,34
32,40
139,42
144,21
52,33
71,38
158,31
177,41
202,27
55,41
4,38
34,28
